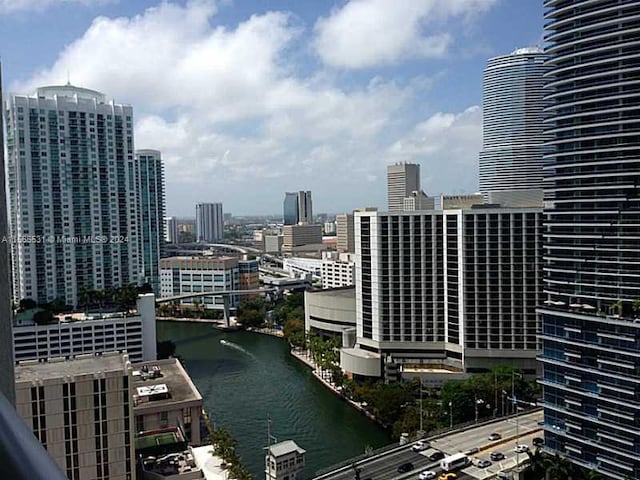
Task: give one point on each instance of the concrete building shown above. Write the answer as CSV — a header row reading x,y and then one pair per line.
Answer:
x,y
81,411
337,270
447,202
418,200
402,179
590,328
249,275
284,461
6,345
273,243
302,266
180,275
76,334
150,180
171,231
453,290
209,222
512,121
164,396
301,238
73,196
329,228
344,232
330,312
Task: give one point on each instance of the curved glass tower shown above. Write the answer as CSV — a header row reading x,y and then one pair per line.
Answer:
x,y
591,331
512,143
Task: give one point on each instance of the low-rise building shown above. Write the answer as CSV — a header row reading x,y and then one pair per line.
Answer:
x,y
302,238
81,411
72,334
181,275
164,396
301,266
273,243
284,461
337,270
249,278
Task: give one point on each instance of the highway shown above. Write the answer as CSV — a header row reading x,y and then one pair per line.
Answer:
x,y
384,466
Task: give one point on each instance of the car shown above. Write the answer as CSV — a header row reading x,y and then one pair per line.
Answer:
x,y
448,476
494,436
495,456
472,451
405,467
521,449
483,463
436,456
420,446
538,442
427,474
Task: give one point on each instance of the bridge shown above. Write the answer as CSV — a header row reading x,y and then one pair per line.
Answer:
x,y
383,464
225,294
196,248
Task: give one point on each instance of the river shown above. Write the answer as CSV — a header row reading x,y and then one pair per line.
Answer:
x,y
254,377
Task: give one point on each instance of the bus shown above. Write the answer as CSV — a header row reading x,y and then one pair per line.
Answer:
x,y
454,462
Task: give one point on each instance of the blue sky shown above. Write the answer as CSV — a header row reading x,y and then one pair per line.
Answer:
x,y
248,99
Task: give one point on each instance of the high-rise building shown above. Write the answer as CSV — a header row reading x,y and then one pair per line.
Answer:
x,y
290,208
418,201
591,332
452,288
72,191
209,222
402,179
150,171
171,231
6,345
305,207
344,232
302,237
512,111
81,411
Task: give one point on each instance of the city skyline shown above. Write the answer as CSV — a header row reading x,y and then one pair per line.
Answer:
x,y
320,114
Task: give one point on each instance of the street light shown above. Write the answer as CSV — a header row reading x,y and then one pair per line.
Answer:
x,y
515,406
478,401
450,415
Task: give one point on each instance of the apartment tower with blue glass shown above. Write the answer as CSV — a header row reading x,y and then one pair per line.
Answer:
x,y
591,317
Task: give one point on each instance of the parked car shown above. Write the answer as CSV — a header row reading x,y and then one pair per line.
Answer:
x,y
495,456
420,446
435,456
483,463
538,442
405,467
521,449
494,436
427,474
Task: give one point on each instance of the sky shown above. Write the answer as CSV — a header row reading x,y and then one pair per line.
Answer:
x,y
248,99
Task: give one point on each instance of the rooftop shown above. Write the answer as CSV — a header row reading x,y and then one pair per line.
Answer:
x,y
162,382
32,370
285,448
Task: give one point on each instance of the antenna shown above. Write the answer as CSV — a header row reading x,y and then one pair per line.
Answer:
x,y
68,78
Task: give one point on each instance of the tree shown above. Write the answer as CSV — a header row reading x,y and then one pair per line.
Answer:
x,y
27,304
293,331
43,317
559,468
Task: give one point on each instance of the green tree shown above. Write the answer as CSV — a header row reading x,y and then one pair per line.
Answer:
x,y
293,331
559,468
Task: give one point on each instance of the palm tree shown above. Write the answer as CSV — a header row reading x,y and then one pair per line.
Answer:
x,y
559,468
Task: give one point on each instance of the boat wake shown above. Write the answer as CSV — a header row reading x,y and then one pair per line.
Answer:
x,y
229,344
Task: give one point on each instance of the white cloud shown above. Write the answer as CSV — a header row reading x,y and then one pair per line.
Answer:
x,y
13,6
446,145
366,33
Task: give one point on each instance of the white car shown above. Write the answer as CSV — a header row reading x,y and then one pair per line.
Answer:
x,y
427,474
420,446
521,449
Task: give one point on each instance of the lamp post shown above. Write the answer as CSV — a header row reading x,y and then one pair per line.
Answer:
x,y
450,415
421,430
515,406
478,401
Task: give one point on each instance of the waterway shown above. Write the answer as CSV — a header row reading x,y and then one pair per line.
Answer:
x,y
254,377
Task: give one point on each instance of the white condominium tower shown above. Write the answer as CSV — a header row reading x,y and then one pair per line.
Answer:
x,y
72,190
209,222
512,141
402,179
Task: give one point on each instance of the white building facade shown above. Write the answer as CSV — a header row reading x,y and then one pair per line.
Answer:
x,y
171,230
71,175
337,269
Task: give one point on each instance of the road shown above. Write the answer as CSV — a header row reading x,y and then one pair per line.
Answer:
x,y
384,467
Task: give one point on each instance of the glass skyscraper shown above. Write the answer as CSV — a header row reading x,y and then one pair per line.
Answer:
x,y
512,142
591,326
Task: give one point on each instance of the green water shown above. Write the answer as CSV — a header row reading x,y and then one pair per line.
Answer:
x,y
255,377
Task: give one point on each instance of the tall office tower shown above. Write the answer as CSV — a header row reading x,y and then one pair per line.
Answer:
x,y
81,411
209,222
72,192
6,345
150,171
305,207
512,141
171,231
454,290
402,179
290,208
590,339
344,232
